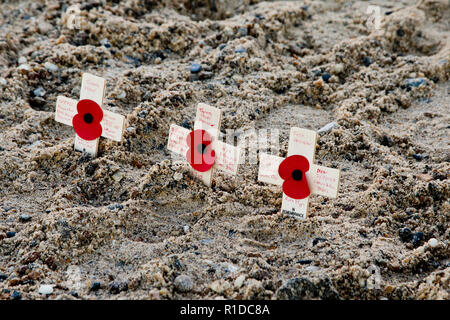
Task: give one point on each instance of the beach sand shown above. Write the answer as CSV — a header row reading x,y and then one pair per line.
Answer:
x,y
133,223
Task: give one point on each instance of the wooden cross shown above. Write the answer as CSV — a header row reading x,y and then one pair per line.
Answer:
x,y
112,124
321,180
226,156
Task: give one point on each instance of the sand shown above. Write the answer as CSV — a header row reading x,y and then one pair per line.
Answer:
x,y
134,224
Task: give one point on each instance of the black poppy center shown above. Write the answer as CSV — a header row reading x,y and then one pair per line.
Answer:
x,y
88,118
201,148
297,174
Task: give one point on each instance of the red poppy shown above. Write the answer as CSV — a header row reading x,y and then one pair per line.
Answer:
x,y
200,154
87,121
293,171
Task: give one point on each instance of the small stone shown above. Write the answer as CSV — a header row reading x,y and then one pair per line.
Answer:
x,y
326,76
424,177
415,82
433,242
328,127
10,234
239,281
186,124
405,234
95,286
3,82
105,43
317,240
3,277
15,295
302,262
46,289
240,50
22,60
367,61
338,68
24,68
417,239
417,156
158,60
39,92
24,218
195,68
51,67
400,32
183,283
186,229
117,287
312,268
118,176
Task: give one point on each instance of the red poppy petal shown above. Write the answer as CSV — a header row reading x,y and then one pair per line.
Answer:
x,y
288,165
89,106
86,131
197,136
200,161
296,189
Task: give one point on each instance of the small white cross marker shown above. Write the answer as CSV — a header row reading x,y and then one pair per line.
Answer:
x,y
321,180
112,124
226,156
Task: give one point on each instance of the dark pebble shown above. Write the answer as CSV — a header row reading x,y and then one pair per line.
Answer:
x,y
326,76
242,32
117,287
400,32
24,218
74,294
222,46
388,12
418,157
186,124
367,61
317,240
302,262
95,286
405,234
414,82
10,234
387,141
16,295
195,68
3,277
417,239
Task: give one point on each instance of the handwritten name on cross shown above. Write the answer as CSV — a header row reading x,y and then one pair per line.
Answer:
x,y
320,180
201,147
87,116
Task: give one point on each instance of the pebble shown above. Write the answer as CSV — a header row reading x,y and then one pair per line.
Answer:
x,y
22,60
405,234
3,82
417,156
117,287
24,218
415,82
302,262
367,61
105,42
433,242
16,295
51,67
240,50
183,283
328,127
24,68
39,92
118,176
186,229
46,289
3,277
417,238
10,234
239,281
95,286
312,268
338,68
178,176
326,76
195,68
